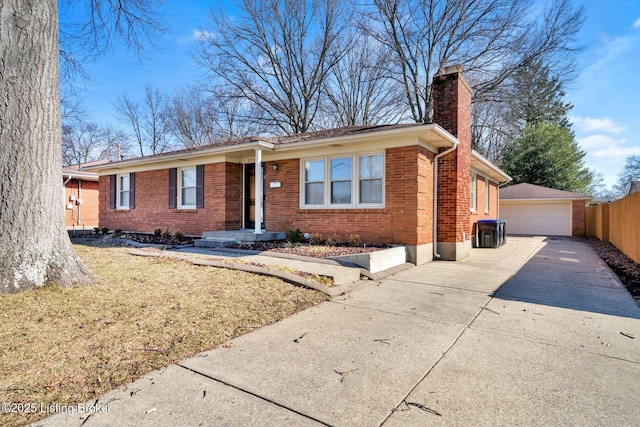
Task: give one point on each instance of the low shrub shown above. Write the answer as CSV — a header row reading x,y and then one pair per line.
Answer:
x,y
294,236
354,240
315,239
166,234
334,240
157,232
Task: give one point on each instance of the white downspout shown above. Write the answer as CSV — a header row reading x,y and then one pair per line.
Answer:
x,y
435,198
64,189
64,196
79,197
258,192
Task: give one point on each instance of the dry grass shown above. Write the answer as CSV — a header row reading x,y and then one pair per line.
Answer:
x,y
65,346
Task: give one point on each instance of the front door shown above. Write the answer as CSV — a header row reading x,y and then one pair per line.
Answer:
x,y
250,196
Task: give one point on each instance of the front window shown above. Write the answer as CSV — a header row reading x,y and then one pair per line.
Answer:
x,y
371,178
124,191
314,182
343,181
474,186
486,195
187,190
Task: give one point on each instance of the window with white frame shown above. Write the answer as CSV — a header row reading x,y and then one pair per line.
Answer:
x,y
314,182
371,168
187,188
474,187
343,181
123,191
486,195
341,174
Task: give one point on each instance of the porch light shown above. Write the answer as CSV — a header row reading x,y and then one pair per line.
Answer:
x,y
275,168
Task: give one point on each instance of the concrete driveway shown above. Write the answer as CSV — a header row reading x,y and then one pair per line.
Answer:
x,y
537,332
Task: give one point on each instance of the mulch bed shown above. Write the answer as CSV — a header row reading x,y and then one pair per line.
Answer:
x,y
625,268
145,238
285,247
304,249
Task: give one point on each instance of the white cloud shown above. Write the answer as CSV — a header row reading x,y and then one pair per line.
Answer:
x,y
196,35
599,142
201,35
637,23
590,124
616,151
604,146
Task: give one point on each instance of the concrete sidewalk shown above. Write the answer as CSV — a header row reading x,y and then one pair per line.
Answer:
x,y
538,332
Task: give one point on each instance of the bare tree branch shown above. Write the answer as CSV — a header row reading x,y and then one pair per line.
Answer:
x,y
359,91
146,121
276,55
490,38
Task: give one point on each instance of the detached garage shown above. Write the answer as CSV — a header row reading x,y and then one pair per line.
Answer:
x,y
541,211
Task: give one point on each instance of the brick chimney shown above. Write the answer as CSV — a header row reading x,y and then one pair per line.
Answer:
x,y
452,111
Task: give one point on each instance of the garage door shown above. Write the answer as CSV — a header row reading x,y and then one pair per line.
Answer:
x,y
540,219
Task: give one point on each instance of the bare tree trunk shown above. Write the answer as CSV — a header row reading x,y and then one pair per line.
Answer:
x,y
35,248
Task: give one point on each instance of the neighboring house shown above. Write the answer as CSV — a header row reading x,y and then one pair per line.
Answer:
x,y
81,196
408,184
634,187
534,210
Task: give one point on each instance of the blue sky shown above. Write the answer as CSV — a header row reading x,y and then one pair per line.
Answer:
x,y
605,95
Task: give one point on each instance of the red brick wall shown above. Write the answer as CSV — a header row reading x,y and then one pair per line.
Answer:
x,y
452,111
222,203
579,218
425,196
87,213
405,219
481,210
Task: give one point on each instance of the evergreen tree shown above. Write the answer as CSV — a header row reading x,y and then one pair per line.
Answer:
x,y
547,154
537,96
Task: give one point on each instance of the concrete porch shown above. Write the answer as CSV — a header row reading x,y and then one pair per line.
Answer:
x,y
223,238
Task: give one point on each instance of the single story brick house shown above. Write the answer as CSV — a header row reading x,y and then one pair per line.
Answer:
x,y
80,197
409,184
535,210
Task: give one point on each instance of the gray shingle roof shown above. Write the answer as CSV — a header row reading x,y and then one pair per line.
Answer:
x,y
285,139
530,191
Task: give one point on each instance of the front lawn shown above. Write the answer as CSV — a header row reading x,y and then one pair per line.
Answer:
x,y
66,346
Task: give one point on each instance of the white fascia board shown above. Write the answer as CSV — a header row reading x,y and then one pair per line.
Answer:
x,y
180,159
83,176
485,167
429,136
547,200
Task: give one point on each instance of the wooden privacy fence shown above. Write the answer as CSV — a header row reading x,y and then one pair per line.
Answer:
x,y
618,223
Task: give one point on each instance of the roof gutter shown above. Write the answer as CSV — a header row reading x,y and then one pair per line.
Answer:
x,y
193,153
454,146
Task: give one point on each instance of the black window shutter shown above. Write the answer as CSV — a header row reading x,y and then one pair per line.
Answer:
x,y
132,190
173,177
200,186
112,191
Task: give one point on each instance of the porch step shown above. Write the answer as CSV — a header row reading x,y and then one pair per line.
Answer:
x,y
243,236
